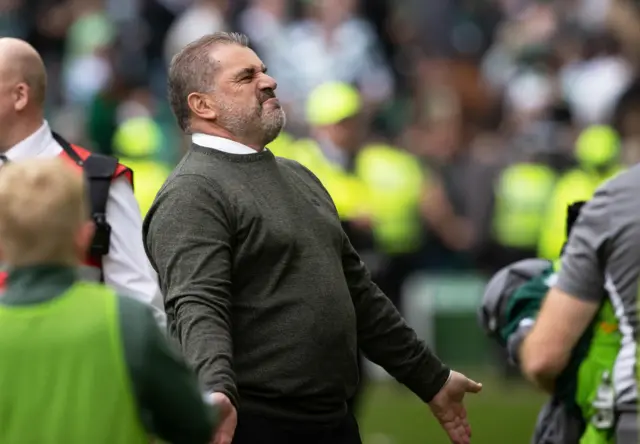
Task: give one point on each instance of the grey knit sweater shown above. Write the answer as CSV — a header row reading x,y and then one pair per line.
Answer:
x,y
266,295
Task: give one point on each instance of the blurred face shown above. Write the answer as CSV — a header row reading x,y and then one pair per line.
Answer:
x,y
347,134
243,100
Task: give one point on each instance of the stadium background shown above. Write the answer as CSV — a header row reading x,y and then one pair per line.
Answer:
x,y
468,86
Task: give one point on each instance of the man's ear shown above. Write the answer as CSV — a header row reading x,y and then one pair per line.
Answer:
x,y
21,96
201,106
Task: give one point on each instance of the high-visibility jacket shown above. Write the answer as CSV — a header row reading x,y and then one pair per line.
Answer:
x,y
384,185
283,146
522,194
65,378
100,171
150,176
574,185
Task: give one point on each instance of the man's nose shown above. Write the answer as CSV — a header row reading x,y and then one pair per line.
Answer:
x,y
267,82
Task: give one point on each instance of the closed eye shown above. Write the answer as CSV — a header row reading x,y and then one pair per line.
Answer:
x,y
248,74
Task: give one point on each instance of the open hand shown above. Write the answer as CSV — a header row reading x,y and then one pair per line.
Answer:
x,y
228,419
449,410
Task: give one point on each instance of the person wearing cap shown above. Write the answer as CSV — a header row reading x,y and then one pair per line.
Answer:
x,y
80,363
376,187
581,408
264,292
521,197
598,154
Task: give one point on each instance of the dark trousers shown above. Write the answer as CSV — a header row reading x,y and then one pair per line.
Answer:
x,y
254,429
627,429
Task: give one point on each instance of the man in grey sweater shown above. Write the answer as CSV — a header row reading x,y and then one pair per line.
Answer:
x,y
263,290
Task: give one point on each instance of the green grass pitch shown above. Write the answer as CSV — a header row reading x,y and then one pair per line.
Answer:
x,y
504,413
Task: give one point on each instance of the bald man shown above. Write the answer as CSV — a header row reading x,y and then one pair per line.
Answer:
x,y
118,258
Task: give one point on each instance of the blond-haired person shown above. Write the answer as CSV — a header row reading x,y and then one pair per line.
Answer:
x,y
78,363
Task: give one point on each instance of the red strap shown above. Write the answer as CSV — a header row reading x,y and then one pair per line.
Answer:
x,y
83,154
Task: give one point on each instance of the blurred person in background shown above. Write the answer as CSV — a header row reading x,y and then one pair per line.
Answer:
x,y
101,121
330,43
117,256
87,66
522,194
80,363
376,186
598,156
438,139
137,143
593,84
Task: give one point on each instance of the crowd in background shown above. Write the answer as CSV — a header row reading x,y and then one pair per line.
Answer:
x,y
468,87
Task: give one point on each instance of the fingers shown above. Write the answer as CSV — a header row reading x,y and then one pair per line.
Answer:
x,y
473,386
459,435
458,428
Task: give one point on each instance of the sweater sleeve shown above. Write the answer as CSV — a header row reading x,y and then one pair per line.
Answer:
x,y
169,401
188,239
384,336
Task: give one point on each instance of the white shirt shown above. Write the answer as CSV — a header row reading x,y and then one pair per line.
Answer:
x,y
126,267
221,144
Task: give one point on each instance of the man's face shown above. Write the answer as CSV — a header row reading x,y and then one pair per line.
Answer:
x,y
347,134
245,100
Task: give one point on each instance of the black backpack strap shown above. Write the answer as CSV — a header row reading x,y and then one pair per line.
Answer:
x,y
99,170
68,149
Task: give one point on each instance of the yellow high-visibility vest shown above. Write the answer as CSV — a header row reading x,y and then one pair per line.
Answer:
x,y
283,146
148,178
386,185
573,186
522,194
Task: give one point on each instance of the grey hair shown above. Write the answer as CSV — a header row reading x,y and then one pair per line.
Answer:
x,y
191,70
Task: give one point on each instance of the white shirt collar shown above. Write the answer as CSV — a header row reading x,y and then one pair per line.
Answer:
x,y
32,146
221,144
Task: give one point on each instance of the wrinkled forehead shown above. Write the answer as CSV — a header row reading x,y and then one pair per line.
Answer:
x,y
232,59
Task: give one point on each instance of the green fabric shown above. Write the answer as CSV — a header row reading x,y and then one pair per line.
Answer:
x,y
101,123
594,354
88,33
45,349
